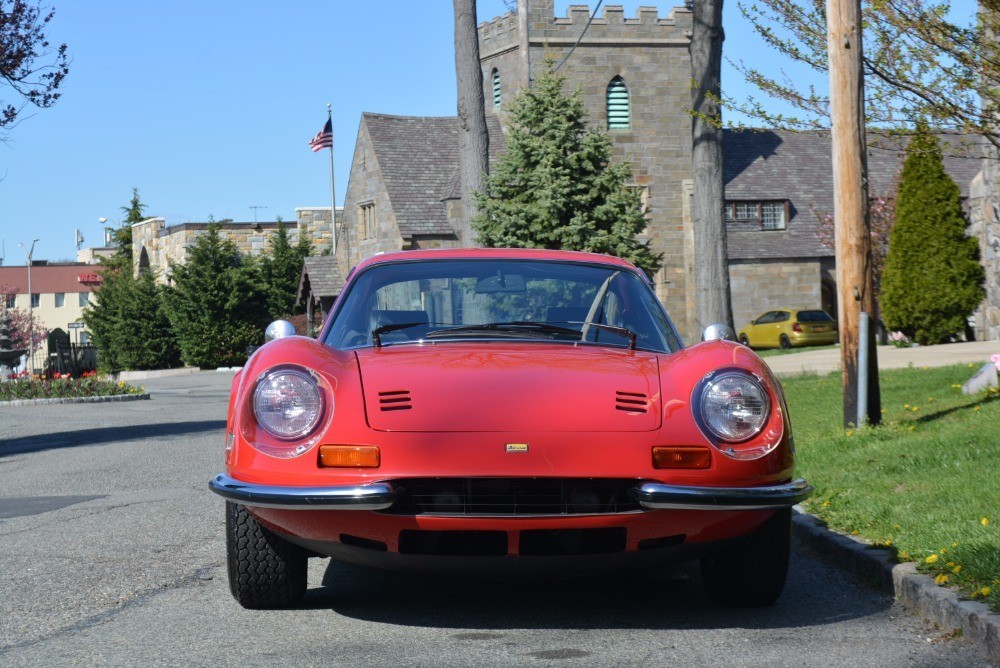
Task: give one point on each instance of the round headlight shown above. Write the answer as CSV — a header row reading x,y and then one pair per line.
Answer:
x,y
734,406
288,403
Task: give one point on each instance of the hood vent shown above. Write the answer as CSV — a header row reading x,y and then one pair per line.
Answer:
x,y
631,402
395,400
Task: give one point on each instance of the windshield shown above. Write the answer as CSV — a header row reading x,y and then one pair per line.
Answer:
x,y
441,300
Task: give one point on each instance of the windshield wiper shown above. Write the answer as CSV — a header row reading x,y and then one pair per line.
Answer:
x,y
391,327
521,327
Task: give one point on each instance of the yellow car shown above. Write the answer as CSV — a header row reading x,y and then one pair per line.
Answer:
x,y
790,328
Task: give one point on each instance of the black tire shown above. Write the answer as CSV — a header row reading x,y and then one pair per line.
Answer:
x,y
744,340
785,342
265,570
751,572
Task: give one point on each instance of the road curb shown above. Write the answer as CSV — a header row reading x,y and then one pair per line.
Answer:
x,y
914,590
75,400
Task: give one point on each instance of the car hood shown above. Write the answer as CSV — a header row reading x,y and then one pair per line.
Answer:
x,y
503,388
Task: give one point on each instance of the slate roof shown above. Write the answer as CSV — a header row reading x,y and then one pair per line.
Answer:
x,y
323,277
797,166
418,158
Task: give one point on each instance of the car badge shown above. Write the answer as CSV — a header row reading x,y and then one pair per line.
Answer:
x,y
517,447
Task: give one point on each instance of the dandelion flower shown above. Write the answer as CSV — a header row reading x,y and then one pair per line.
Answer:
x,y
986,591
975,408
944,550
954,544
985,521
916,408
906,405
931,559
957,569
941,579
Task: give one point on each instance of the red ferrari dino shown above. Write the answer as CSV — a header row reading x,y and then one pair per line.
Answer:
x,y
506,411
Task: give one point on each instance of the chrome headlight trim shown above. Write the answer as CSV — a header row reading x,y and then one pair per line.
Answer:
x,y
731,406
304,411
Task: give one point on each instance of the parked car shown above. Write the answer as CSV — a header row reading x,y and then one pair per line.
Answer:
x,y
506,411
790,328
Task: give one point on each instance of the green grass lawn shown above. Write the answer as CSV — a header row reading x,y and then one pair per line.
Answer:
x,y
925,484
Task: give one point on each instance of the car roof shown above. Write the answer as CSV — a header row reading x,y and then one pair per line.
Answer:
x,y
495,254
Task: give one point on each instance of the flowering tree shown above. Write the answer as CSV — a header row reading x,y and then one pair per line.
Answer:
x,y
23,328
882,210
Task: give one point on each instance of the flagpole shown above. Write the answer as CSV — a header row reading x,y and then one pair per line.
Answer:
x,y
333,187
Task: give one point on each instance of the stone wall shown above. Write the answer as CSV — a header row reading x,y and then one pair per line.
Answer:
x,y
156,246
364,188
760,285
651,55
984,216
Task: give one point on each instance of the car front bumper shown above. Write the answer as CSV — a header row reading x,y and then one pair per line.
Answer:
x,y
380,496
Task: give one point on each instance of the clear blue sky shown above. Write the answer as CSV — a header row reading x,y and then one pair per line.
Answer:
x,y
208,107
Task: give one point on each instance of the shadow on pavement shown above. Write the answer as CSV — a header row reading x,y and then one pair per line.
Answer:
x,y
668,599
70,439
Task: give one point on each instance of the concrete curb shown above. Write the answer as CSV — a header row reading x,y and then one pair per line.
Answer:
x,y
75,400
914,590
154,373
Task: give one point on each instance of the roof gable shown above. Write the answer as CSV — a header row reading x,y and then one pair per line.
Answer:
x,y
418,158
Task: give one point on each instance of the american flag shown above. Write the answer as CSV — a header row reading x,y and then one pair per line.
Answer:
x,y
324,139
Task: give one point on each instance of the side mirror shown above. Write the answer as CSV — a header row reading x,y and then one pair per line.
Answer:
x,y
278,329
717,332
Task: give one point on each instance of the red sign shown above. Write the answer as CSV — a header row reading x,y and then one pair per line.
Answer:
x,y
90,279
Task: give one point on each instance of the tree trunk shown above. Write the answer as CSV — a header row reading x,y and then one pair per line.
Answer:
x,y
852,226
714,303
473,137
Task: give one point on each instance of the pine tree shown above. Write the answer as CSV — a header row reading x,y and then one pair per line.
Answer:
x,y
216,304
556,186
932,280
126,318
281,271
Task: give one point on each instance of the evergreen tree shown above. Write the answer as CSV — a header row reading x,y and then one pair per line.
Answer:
x,y
281,272
932,279
125,318
556,186
216,304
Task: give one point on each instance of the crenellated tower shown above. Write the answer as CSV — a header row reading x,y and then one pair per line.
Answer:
x,y
635,77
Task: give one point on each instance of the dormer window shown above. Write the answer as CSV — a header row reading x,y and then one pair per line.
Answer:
x,y
619,113
770,214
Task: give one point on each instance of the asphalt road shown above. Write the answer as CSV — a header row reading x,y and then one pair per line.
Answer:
x,y
112,553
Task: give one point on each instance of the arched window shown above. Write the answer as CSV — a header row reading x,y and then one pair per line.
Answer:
x,y
496,88
619,115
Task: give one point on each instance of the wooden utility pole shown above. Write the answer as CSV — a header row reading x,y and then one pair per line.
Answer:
x,y
852,227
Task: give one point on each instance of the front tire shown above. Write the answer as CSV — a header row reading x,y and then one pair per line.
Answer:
x,y
265,570
751,572
744,340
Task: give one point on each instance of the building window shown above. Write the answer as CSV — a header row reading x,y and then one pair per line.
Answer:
x,y
496,88
36,299
619,114
84,298
366,220
60,299
770,215
11,301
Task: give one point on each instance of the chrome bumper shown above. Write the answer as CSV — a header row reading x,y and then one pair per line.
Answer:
x,y
657,496
375,496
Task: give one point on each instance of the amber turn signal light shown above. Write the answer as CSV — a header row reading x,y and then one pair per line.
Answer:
x,y
681,457
349,456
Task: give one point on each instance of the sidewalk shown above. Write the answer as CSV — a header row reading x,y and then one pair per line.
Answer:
x,y
824,361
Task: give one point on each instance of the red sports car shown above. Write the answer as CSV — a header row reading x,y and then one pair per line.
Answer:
x,y
506,411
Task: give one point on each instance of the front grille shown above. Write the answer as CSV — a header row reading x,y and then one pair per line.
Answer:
x,y
513,496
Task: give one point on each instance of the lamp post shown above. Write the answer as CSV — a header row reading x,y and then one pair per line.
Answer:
x,y
31,308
